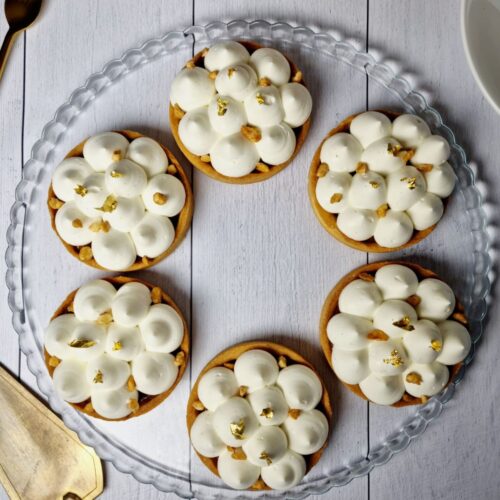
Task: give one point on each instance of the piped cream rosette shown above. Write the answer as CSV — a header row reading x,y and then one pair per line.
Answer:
x,y
379,181
394,333
120,201
258,416
116,348
239,111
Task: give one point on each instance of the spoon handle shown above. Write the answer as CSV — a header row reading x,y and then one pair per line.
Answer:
x,y
4,51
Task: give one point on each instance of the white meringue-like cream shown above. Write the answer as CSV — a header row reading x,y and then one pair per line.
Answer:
x,y
249,90
192,88
256,369
398,176
119,199
100,150
301,386
113,404
100,348
217,386
93,299
162,329
203,436
285,474
307,433
251,408
272,64
395,347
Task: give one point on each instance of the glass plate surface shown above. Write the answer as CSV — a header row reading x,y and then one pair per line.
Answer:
x,y
155,447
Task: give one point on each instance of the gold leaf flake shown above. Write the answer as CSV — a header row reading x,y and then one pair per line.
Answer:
x,y
81,190
265,456
213,75
117,346
82,343
109,205
236,453
115,174
221,106
410,181
237,429
436,345
394,359
414,378
382,210
243,390
116,156
105,318
264,82
393,149
231,72
404,323
95,227
267,413
406,154
98,379
374,184
260,98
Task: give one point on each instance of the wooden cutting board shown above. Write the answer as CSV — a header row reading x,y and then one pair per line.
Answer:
x,y
39,457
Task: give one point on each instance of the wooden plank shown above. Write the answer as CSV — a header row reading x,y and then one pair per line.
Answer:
x,y
429,50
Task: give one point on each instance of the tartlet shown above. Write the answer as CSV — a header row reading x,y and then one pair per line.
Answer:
x,y
413,354
179,223
285,358
168,320
263,169
412,195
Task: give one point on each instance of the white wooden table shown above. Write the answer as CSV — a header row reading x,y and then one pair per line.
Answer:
x,y
459,456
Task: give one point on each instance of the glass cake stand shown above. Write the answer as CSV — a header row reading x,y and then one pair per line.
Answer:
x,y
343,80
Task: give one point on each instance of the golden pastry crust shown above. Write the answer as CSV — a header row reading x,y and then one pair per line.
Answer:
x,y
181,221
263,171
146,402
330,308
329,221
227,358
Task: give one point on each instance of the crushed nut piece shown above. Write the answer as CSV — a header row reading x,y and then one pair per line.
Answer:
x,y
267,413
156,295
414,378
95,227
98,379
236,453
115,174
190,64
204,52
394,359
55,204
260,98
117,346
243,390
180,359
413,300
393,149
178,111
259,485
424,399
133,404
171,169
109,205
81,190
377,335
410,181
229,366
105,318
198,405
460,317
88,408
213,75
81,343
145,260
221,106
205,158
53,361
160,198
282,362
71,308
374,184
265,456
297,78
323,169
262,167
366,277
237,429
85,253
336,197
294,413
251,133
131,385
436,345
382,210
424,167
406,154
77,223
404,323
105,226
408,398
362,167
264,82
116,156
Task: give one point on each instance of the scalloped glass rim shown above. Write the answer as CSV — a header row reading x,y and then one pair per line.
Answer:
x,y
328,44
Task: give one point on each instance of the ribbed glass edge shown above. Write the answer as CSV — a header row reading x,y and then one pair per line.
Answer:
x,y
329,44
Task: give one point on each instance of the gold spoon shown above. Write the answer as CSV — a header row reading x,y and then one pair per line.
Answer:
x,y
20,14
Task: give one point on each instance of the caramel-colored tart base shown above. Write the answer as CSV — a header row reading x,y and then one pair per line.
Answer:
x,y
146,402
181,222
227,358
255,176
367,272
329,221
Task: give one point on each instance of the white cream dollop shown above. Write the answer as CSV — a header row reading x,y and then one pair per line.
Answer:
x,y
307,433
387,358
404,188
285,474
204,437
367,191
113,404
226,115
93,299
350,366
272,64
217,386
264,107
396,281
357,224
426,212
235,411
238,474
410,130
383,390
162,329
70,173
147,153
168,186
125,178
301,386
269,405
256,369
360,298
236,81
107,373
277,144
394,311
59,334
379,158
100,150
269,442
393,230
196,133
328,189
440,180
127,214
341,152
224,54
437,300
123,342
153,235
433,150
92,198
154,372
433,378
348,332
424,342
456,342
73,225
70,381
234,156
370,127
297,103
192,88
131,304
93,338
113,250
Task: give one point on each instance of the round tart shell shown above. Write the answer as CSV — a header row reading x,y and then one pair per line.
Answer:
x,y
329,221
183,218
255,176
228,357
146,402
330,308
